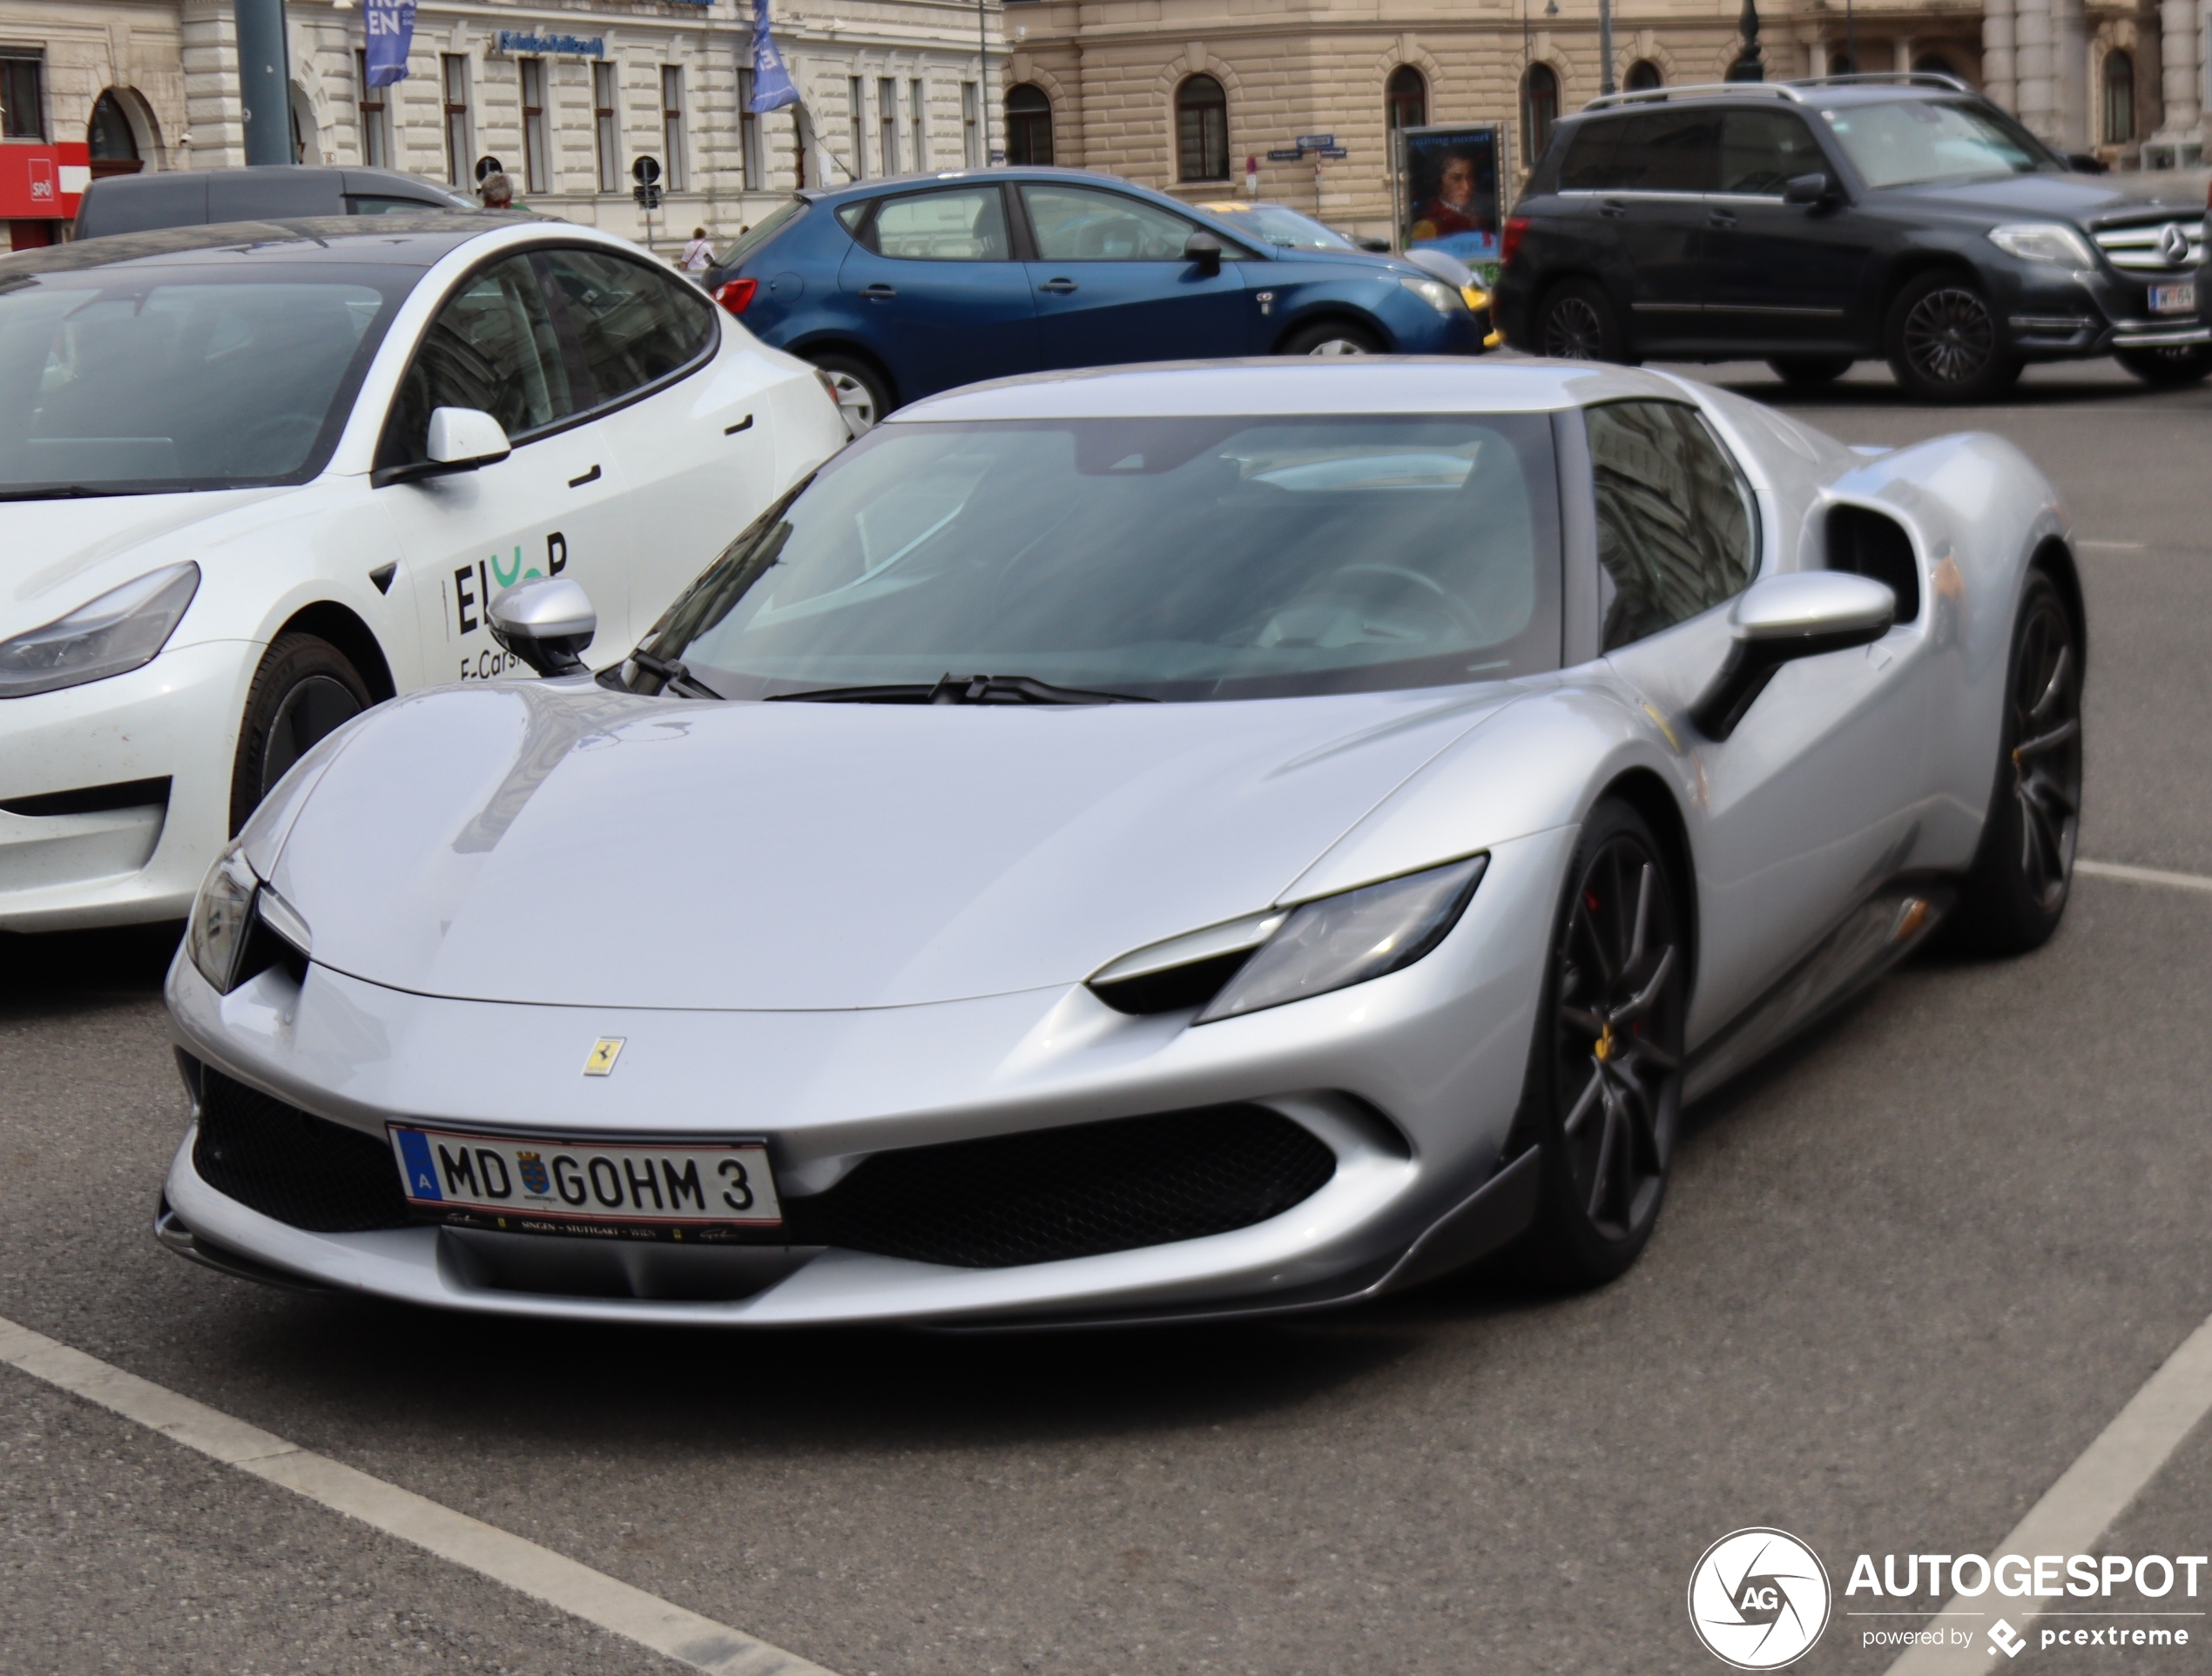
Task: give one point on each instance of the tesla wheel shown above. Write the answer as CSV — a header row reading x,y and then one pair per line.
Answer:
x,y
1331,338
2185,363
1577,323
304,689
1805,372
2016,894
861,396
1944,341
1609,1056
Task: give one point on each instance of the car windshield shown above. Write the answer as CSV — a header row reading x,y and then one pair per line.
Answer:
x,y
1909,141
130,380
1170,558
1277,225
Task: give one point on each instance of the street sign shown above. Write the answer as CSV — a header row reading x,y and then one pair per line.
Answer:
x,y
1284,157
1316,141
648,196
646,170
1336,153
487,167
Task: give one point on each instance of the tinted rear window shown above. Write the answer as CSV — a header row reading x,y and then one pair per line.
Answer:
x,y
1649,151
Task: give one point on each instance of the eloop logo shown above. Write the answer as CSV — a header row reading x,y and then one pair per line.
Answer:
x,y
1758,1598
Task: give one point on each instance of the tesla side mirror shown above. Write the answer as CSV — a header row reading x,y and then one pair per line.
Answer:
x,y
1205,250
462,439
1785,618
1806,189
547,623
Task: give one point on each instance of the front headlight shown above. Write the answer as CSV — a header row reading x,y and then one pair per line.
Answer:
x,y
1438,295
222,916
2044,241
113,634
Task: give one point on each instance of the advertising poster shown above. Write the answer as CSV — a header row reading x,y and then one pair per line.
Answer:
x,y
1448,186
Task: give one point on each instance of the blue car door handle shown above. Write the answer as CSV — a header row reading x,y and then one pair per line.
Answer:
x,y
1058,285
879,293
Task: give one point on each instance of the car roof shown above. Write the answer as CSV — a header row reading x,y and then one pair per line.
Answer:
x,y
1813,93
884,183
1289,385
402,240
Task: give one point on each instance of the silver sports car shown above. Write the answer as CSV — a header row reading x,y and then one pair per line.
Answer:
x,y
1137,845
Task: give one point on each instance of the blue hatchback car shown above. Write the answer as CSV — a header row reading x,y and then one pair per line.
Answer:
x,y
902,287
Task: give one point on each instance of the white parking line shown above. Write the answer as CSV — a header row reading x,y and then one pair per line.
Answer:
x,y
2114,547
521,1565
2088,1497
2121,871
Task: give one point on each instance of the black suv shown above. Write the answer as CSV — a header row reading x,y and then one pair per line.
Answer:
x,y
1813,224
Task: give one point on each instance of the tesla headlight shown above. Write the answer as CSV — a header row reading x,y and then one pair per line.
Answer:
x,y
2044,241
1438,295
222,917
113,634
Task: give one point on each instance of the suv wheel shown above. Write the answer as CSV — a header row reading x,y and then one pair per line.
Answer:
x,y
1944,341
1805,371
2186,363
1577,323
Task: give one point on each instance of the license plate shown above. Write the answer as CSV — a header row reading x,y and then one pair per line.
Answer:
x,y
629,1190
2172,300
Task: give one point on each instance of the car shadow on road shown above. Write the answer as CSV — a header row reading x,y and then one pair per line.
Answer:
x,y
49,971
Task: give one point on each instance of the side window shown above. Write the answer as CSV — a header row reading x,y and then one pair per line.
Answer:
x,y
633,324
1677,532
493,347
1761,151
1670,151
1590,164
968,226
1073,223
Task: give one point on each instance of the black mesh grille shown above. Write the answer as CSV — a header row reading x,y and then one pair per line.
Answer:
x,y
1072,1192
299,1169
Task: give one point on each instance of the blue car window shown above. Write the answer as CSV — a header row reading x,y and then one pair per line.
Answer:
x,y
964,225
1073,223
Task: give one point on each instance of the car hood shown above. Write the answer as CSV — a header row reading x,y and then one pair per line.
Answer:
x,y
2078,198
56,555
565,846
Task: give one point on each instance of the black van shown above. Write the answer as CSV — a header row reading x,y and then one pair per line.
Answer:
x,y
1812,223
191,198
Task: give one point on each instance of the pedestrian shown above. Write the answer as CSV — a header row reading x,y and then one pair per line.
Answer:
x,y
497,191
698,255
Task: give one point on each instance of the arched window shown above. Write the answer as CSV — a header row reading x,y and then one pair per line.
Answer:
x,y
1539,109
1029,125
1405,99
2120,98
1643,76
1201,130
110,138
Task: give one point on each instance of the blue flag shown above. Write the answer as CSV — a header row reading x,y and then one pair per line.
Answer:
x,y
771,88
391,31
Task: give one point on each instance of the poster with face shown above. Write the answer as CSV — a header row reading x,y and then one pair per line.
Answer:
x,y
1449,180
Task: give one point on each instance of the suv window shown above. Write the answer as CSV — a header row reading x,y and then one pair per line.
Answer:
x,y
1648,151
966,225
1073,223
1761,151
493,347
633,323
1677,529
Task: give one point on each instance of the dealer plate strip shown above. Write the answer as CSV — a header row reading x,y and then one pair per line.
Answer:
x,y
523,1565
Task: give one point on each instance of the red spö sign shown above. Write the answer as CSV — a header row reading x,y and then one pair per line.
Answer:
x,y
43,183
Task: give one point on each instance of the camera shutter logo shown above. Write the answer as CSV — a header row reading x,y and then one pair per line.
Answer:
x,y
1759,1599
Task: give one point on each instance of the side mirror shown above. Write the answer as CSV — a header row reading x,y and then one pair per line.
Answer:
x,y
462,439
1205,250
1785,618
546,623
1806,189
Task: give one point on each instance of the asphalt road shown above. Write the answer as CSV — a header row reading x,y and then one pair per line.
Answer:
x,y
1907,1272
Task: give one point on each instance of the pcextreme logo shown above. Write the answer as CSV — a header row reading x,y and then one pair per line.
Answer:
x,y
1758,1598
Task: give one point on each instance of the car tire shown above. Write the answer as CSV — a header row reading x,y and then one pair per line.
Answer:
x,y
1807,372
1604,1090
862,396
1576,321
305,691
1331,338
1945,341
2186,363
2014,897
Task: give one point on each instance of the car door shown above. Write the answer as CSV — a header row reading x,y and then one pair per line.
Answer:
x,y
688,430
1112,284
1782,276
1810,802
551,507
941,298
1664,166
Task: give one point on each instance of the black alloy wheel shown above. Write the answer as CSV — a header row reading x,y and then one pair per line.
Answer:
x,y
1611,1053
1807,372
1945,344
2017,892
2171,367
1577,323
305,691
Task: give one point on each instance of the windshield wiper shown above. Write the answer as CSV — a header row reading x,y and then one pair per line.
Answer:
x,y
65,491
673,674
964,689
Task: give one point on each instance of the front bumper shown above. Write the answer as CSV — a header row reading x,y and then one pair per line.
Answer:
x,y
177,720
1412,1080
2053,315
